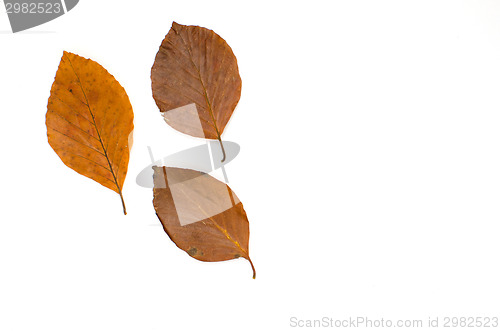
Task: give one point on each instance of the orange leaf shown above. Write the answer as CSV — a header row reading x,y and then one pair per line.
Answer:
x,y
90,121
195,81
201,215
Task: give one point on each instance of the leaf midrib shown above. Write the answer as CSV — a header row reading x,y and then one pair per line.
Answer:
x,y
205,92
96,128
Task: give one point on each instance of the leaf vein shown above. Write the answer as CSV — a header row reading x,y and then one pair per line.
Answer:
x,y
78,141
73,124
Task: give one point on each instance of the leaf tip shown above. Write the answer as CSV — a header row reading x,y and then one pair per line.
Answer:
x,y
176,26
66,55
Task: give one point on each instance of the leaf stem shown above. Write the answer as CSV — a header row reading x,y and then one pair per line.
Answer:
x,y
251,264
223,151
123,204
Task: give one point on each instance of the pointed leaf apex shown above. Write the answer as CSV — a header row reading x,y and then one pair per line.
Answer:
x,y
176,25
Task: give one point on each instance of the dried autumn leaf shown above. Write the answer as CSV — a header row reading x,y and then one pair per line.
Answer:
x,y
90,121
195,81
201,215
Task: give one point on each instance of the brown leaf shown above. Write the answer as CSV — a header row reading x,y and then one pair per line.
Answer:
x,y
195,81
90,121
201,215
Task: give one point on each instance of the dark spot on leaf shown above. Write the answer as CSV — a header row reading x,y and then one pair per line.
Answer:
x,y
192,251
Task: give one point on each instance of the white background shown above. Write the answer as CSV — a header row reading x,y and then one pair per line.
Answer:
x,y
369,169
